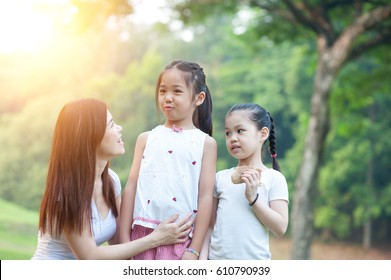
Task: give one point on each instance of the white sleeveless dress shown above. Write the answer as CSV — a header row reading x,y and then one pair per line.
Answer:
x,y
169,175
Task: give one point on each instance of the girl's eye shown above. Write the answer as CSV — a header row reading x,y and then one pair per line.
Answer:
x,y
227,133
240,131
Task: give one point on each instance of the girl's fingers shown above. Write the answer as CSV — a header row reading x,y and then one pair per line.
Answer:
x,y
252,177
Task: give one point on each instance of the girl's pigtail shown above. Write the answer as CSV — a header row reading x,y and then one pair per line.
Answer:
x,y
203,114
272,145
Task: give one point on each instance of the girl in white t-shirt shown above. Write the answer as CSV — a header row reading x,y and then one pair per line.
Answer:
x,y
244,211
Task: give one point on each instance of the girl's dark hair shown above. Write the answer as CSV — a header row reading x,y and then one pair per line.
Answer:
x,y
261,118
196,80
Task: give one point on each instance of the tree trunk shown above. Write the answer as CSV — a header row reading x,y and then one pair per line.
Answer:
x,y
305,185
367,230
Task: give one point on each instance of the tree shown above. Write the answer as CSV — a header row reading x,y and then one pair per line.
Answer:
x,y
343,31
351,196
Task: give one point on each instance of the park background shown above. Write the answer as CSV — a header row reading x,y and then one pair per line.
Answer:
x,y
322,68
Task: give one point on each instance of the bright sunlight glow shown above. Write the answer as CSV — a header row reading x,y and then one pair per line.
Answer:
x,y
26,25
29,25
150,11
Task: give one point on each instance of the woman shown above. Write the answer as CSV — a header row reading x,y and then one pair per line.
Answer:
x,y
80,207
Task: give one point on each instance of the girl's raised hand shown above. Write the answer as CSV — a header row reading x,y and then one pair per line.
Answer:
x,y
252,178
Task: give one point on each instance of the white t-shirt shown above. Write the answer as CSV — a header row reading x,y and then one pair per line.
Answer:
x,y
53,248
238,234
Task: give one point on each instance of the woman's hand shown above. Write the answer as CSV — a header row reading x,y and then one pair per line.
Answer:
x,y
252,178
171,231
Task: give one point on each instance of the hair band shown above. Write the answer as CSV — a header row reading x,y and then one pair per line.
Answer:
x,y
255,200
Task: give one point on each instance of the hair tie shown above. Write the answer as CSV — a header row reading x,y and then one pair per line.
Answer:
x,y
255,200
274,155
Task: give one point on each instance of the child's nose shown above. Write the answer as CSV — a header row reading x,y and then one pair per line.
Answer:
x,y
169,97
233,137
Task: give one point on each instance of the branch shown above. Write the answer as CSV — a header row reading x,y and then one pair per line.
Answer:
x,y
376,41
343,48
358,8
316,19
367,22
272,9
377,15
301,18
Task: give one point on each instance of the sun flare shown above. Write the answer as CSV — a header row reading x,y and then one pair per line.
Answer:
x,y
26,25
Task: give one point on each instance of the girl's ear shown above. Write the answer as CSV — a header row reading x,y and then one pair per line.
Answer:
x,y
264,133
200,98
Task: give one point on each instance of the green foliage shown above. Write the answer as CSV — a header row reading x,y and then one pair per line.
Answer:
x,y
26,147
355,178
332,219
385,199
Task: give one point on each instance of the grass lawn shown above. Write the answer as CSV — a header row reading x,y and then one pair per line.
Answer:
x,y
19,228
18,232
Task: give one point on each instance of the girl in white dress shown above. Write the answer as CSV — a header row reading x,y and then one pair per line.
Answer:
x,y
174,164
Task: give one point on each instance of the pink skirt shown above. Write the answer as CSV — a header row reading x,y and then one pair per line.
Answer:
x,y
164,252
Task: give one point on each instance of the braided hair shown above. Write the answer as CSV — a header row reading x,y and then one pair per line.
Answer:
x,y
261,118
195,79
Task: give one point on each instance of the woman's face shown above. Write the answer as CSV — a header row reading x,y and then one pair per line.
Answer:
x,y
112,144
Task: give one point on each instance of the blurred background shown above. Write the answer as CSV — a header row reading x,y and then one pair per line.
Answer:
x,y
321,68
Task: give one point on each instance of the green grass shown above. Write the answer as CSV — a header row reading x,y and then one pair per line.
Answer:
x,y
18,231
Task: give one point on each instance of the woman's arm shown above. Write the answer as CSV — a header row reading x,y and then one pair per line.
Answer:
x,y
205,196
168,232
129,193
